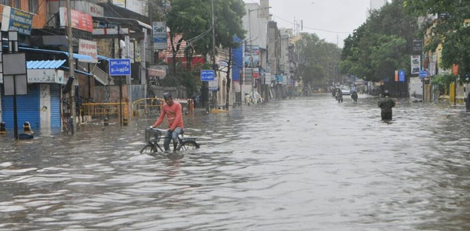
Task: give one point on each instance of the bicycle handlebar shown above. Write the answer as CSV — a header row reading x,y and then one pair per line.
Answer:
x,y
158,129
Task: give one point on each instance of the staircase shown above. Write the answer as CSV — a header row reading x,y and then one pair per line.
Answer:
x,y
100,75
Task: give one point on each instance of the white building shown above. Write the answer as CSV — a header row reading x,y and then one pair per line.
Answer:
x,y
255,22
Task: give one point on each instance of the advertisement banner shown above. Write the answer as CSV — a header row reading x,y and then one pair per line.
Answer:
x,y
87,47
415,64
251,56
80,20
88,8
14,19
159,36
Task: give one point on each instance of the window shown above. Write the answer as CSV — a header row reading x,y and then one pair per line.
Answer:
x,y
17,4
33,5
6,2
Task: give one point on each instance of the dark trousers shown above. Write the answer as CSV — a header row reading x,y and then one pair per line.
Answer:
x,y
386,115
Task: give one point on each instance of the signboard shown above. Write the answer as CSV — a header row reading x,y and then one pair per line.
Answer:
x,y
88,8
14,19
267,78
46,76
417,45
156,73
159,36
207,75
80,20
87,47
119,67
15,75
423,74
251,56
401,76
214,85
415,64
396,75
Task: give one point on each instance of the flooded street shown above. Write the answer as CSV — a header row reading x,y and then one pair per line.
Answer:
x,y
304,164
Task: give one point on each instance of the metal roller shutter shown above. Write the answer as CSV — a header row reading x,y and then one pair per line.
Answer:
x,y
27,107
55,106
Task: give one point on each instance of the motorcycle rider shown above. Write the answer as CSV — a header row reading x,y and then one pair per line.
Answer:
x,y
354,96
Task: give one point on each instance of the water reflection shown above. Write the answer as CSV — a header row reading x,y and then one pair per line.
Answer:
x,y
306,164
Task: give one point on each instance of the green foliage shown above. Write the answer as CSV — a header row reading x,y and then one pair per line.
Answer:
x,y
448,29
443,82
188,79
317,59
193,18
381,45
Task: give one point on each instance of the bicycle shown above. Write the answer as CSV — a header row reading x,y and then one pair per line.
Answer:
x,y
153,136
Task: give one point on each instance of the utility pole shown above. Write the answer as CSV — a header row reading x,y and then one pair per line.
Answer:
x,y
214,67
71,66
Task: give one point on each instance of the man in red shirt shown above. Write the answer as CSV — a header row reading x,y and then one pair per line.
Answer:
x,y
173,111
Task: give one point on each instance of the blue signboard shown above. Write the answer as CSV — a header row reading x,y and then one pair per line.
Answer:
x,y
207,75
18,20
401,76
119,67
423,74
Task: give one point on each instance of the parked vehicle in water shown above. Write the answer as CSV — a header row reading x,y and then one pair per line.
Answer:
x,y
345,90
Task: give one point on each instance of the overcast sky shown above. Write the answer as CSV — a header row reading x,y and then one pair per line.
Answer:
x,y
337,16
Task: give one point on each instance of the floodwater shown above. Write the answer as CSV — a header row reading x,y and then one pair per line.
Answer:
x,y
304,164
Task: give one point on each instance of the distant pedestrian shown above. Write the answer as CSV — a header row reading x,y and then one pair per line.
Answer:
x,y
339,96
354,96
467,102
386,104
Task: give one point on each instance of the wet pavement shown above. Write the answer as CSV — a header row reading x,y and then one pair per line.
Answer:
x,y
304,164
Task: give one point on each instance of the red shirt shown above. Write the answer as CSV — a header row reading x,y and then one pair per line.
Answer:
x,y
174,114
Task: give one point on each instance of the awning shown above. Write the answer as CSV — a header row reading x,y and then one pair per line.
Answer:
x,y
44,71
75,55
44,64
77,71
124,22
103,57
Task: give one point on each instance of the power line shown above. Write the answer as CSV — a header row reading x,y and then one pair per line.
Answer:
x,y
311,28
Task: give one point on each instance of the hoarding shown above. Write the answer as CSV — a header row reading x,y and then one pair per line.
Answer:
x,y
159,36
80,20
87,47
14,19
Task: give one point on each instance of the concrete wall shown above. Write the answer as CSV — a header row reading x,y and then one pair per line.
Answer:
x,y
416,87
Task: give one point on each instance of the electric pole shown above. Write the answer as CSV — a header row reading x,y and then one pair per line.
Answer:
x,y
71,67
214,67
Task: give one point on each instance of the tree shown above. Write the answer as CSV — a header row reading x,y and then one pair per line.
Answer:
x,y
193,21
381,45
447,23
317,59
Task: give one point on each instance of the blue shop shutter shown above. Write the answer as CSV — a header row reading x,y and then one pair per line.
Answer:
x,y
27,107
55,106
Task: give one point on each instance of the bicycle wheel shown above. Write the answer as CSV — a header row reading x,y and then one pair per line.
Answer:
x,y
188,145
148,149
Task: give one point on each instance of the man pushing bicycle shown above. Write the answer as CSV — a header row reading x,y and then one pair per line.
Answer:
x,y
174,113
